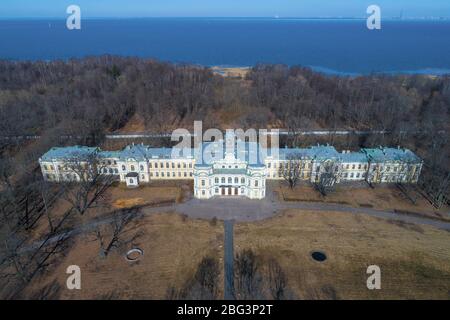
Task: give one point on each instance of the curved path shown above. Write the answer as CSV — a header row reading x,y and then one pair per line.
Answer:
x,y
246,210
239,209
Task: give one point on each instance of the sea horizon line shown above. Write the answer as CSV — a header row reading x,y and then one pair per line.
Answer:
x,y
63,18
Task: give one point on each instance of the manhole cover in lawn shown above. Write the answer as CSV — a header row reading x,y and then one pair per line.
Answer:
x,y
134,254
319,256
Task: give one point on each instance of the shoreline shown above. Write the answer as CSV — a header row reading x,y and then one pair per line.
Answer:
x,y
430,72
231,70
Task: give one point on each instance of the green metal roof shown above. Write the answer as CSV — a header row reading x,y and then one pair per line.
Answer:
x,y
75,152
391,154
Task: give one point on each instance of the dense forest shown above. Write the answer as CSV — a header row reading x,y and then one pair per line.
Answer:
x,y
101,94
79,101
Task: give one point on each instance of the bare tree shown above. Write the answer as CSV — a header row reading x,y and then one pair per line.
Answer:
x,y
247,276
291,169
204,285
6,171
329,172
277,280
112,235
207,276
21,261
85,185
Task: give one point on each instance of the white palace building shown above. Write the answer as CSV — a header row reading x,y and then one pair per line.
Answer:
x,y
232,167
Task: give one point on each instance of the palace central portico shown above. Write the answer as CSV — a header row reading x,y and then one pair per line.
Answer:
x,y
231,175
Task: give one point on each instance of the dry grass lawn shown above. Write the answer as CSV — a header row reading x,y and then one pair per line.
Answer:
x,y
173,246
381,197
123,197
120,197
414,260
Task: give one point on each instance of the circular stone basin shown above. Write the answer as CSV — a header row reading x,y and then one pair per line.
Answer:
x,y
134,254
319,256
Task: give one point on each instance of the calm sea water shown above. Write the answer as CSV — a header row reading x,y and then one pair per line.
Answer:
x,y
333,46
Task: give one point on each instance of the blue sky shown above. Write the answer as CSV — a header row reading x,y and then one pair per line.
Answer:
x,y
222,8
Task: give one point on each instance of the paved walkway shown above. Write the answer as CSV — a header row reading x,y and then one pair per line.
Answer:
x,y
228,260
241,209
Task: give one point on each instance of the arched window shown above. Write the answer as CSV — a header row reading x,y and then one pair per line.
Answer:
x,y
217,180
142,168
223,180
256,183
123,168
236,180
132,168
230,180
242,180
